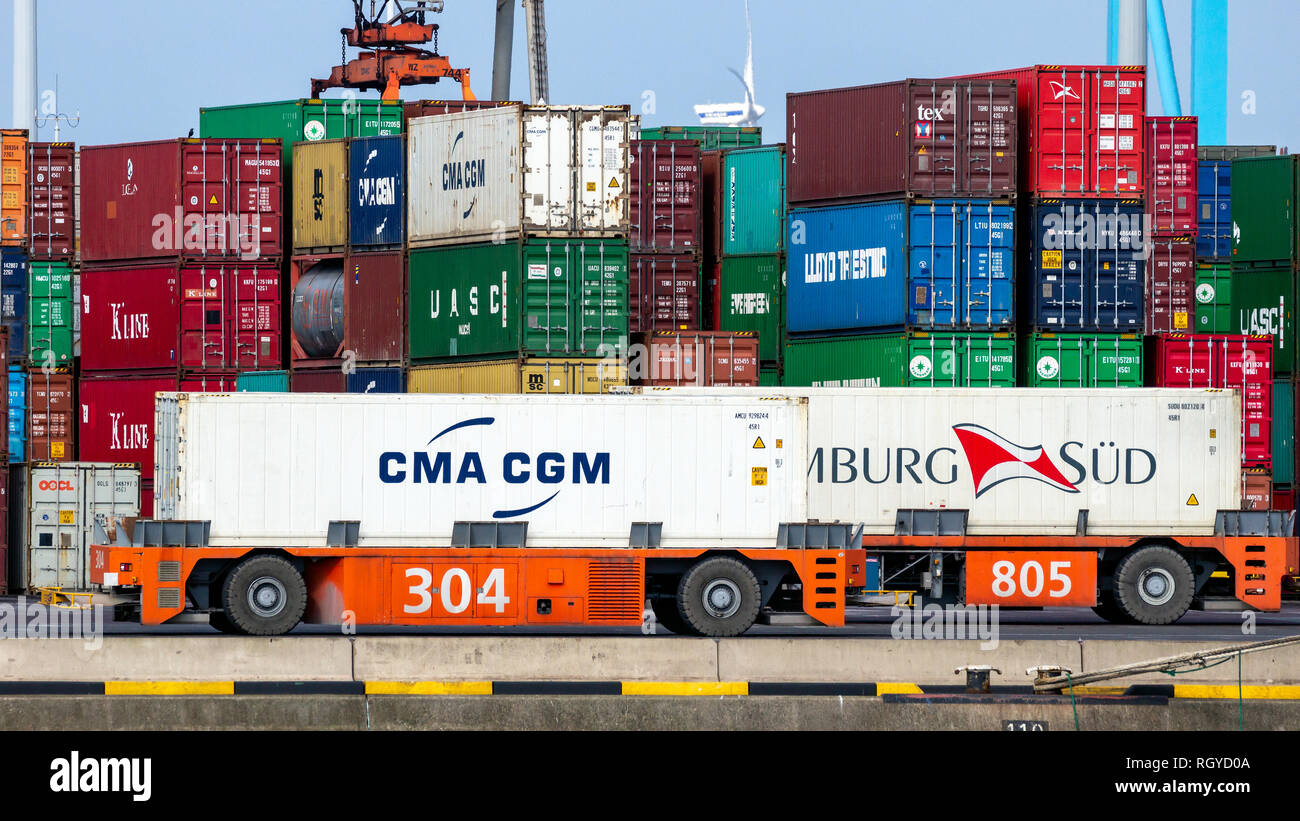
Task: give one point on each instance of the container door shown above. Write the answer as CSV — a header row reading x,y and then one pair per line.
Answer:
x,y
602,163
934,282
988,261
1117,108
1214,299
934,112
54,555
548,172
1061,133
601,298
1214,209
1058,269
1116,267
548,297
112,493
204,292
254,335
1061,361
13,188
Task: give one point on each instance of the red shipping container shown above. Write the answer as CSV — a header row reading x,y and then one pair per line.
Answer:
x,y
1283,498
695,358
1081,129
51,415
664,196
428,108
711,204
197,199
1171,176
1226,361
1170,285
51,198
318,380
146,499
1256,490
116,420
664,291
374,306
930,138
208,316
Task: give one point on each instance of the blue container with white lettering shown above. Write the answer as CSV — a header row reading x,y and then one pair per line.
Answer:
x,y
929,265
17,414
376,174
13,299
1214,209
376,380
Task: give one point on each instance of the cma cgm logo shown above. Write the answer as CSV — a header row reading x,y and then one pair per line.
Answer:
x,y
548,468
457,175
375,190
992,459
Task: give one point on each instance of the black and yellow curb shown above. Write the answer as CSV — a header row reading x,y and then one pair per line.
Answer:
x,y
892,692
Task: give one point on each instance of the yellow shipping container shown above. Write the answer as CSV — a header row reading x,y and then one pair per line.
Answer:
x,y
13,186
532,376
320,196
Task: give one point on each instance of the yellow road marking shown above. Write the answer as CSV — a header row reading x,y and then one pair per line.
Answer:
x,y
169,688
685,688
429,688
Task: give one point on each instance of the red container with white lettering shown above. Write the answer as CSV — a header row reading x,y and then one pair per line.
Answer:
x,y
1081,129
195,316
1171,176
115,417
51,415
695,358
1225,361
199,199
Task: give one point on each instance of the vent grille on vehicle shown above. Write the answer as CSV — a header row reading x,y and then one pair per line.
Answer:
x,y
169,571
169,597
615,591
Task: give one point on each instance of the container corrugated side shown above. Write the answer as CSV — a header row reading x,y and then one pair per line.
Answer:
x,y
1263,302
295,121
686,462
377,181
1214,298
710,138
1284,430
52,200
1266,226
753,200
875,452
902,360
268,381
13,187
320,197
1049,360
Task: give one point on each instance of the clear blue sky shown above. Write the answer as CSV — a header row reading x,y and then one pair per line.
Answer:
x,y
140,70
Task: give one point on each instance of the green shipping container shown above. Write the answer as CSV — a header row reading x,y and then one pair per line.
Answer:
x,y
296,121
902,360
752,295
1049,360
1263,302
543,297
1264,194
753,200
1214,298
709,137
263,381
50,313
1283,432
769,377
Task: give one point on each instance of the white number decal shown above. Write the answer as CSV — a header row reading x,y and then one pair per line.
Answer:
x,y
1062,578
1038,579
466,587
1004,581
421,589
494,590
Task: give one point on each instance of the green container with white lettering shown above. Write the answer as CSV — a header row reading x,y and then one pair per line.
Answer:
x,y
751,294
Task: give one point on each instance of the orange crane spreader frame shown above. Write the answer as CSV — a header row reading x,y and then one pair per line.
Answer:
x,y
393,61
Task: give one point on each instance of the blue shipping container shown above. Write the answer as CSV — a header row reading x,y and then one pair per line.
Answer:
x,y
377,380
1086,266
376,168
13,299
17,414
1214,214
947,265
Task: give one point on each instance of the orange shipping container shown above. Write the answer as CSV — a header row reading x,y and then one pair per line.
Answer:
x,y
1256,490
13,187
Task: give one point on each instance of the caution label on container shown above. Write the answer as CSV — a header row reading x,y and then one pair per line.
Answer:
x,y
1192,502
591,186
1052,259
1180,320
758,443
758,477
67,517
56,450
613,182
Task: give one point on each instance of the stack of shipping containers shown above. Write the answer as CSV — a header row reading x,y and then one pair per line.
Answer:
x,y
902,234
294,122
518,229
13,288
1080,264
181,282
1263,253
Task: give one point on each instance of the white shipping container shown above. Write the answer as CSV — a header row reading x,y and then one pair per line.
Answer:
x,y
64,501
500,172
277,468
1023,461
